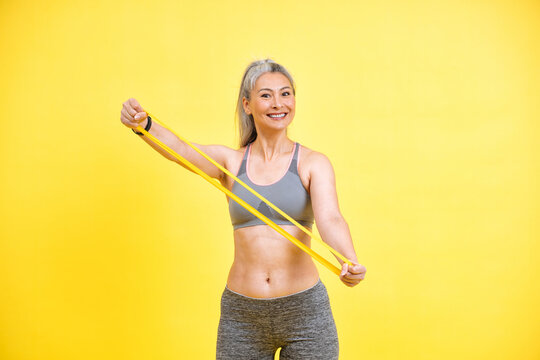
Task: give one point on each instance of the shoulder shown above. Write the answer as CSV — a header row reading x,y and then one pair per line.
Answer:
x,y
315,170
231,157
313,160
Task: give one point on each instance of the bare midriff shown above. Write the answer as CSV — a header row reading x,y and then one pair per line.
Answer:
x,y
266,264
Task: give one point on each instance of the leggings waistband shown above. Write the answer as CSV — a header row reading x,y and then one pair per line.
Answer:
x,y
305,292
304,303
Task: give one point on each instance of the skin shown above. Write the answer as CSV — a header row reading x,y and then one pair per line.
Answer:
x,y
266,264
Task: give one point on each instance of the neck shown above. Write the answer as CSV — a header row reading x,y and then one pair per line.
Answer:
x,y
271,147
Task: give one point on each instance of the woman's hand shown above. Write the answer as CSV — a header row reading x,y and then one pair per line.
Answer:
x,y
352,275
132,114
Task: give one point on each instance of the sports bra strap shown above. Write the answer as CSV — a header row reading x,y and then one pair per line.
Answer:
x,y
293,168
242,169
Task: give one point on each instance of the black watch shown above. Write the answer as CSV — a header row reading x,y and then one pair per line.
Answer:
x,y
148,125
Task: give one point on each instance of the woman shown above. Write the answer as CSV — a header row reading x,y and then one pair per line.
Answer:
x,y
273,296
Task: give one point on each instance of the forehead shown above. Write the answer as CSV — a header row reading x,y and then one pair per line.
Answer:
x,y
272,80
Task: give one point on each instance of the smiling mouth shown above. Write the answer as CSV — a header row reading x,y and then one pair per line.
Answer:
x,y
277,116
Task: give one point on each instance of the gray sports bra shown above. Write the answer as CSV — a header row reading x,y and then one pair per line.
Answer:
x,y
287,193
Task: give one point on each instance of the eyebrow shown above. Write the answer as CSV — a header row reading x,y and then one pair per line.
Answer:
x,y
285,87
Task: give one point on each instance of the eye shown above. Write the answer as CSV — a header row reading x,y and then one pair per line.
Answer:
x,y
265,95
286,93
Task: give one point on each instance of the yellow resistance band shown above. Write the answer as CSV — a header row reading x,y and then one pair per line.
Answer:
x,y
248,207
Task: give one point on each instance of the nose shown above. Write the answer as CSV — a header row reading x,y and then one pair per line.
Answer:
x,y
277,104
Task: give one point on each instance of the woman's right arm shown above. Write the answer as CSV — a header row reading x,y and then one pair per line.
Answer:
x,y
219,153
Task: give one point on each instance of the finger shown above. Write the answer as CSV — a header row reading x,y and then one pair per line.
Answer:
x,y
128,105
356,269
354,281
126,115
353,277
344,269
127,119
140,116
135,105
350,275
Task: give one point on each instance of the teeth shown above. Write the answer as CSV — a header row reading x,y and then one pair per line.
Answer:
x,y
277,116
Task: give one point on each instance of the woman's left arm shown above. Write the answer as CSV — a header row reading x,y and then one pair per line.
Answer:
x,y
332,226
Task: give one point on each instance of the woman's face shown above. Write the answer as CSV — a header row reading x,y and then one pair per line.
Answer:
x,y
272,102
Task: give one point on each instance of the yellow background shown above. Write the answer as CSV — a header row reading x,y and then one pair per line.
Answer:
x,y
428,111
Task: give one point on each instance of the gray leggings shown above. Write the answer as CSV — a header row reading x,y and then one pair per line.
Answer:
x,y
301,324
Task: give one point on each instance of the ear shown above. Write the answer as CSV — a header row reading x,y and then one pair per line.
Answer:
x,y
245,103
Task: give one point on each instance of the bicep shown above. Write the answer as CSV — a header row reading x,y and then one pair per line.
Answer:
x,y
323,190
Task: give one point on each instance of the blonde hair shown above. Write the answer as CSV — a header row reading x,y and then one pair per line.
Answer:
x,y
247,130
